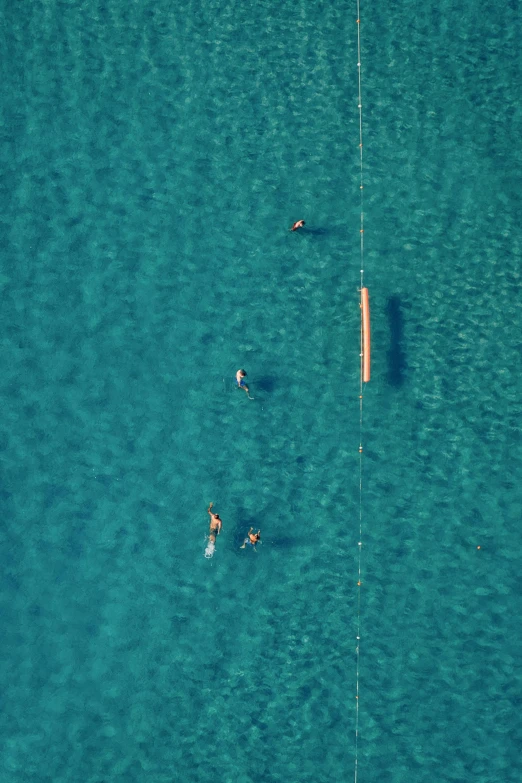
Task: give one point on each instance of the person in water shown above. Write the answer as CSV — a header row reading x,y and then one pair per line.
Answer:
x,y
240,376
215,523
297,225
252,539
215,530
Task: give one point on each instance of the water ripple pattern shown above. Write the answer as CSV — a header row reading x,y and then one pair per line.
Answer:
x,y
154,155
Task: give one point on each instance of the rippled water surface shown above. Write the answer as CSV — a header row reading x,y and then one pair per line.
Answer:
x,y
154,155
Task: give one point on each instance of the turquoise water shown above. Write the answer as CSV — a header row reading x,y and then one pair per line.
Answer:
x,y
153,156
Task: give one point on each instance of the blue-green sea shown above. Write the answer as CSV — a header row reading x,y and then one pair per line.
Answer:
x,y
153,157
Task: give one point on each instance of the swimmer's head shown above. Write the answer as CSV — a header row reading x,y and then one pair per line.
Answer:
x,y
216,516
242,373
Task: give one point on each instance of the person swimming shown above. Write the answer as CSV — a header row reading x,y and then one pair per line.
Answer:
x,y
297,225
214,530
215,522
252,539
240,376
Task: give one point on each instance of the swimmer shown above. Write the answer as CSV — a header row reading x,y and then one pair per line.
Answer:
x,y
240,375
214,530
252,539
215,524
298,224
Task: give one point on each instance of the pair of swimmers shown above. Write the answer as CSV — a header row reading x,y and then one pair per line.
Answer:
x,y
215,529
241,374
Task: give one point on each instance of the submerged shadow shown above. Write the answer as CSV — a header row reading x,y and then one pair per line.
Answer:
x,y
266,383
315,231
397,365
285,542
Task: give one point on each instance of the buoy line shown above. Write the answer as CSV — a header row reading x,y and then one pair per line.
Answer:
x,y
364,378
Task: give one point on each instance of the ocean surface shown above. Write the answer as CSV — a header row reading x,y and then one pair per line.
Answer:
x,y
154,155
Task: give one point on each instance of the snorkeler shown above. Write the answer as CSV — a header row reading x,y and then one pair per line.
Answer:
x,y
298,224
252,539
240,375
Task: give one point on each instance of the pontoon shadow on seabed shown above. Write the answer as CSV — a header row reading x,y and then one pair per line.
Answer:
x,y
397,365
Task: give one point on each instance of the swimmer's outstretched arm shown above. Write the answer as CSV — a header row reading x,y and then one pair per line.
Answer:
x,y
208,509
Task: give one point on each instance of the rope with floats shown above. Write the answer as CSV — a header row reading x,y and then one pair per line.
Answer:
x,y
364,378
